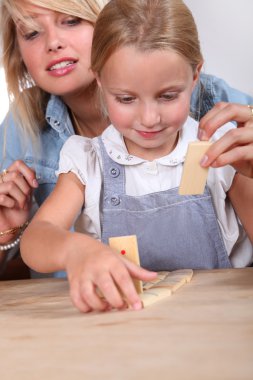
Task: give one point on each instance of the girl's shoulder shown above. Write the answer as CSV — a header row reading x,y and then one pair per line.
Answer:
x,y
79,155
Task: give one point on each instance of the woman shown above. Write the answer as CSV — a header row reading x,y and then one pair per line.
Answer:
x,y
46,46
126,181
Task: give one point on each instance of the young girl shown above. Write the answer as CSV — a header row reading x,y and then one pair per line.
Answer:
x,y
147,60
46,54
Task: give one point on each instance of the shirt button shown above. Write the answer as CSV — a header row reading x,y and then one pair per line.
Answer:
x,y
114,172
115,200
152,168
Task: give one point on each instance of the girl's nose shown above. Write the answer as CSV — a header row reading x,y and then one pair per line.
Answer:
x,y
150,115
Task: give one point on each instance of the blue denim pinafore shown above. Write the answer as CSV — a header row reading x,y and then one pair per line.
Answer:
x,y
173,231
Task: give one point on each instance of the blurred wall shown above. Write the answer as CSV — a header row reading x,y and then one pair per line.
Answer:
x,y
226,36
226,31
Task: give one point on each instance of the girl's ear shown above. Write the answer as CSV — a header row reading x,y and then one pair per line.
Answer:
x,y
196,73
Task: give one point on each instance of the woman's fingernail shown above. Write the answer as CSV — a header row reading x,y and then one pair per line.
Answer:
x,y
35,183
202,135
204,160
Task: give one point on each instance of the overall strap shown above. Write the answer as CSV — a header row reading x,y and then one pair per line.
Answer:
x,y
114,177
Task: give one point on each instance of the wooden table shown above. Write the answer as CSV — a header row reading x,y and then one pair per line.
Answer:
x,y
203,331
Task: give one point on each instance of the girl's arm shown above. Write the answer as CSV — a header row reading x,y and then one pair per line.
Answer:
x,y
48,231
48,245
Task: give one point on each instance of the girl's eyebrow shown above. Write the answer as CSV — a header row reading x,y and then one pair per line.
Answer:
x,y
173,87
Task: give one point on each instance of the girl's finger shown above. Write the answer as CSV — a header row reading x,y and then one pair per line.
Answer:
x,y
110,290
139,272
90,296
77,299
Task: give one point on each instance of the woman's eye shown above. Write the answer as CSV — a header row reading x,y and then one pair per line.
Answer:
x,y
72,21
125,99
30,35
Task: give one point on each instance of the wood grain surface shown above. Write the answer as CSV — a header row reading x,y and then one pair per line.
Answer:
x,y
203,331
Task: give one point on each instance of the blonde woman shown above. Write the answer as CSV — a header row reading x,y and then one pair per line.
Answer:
x,y
46,57
125,181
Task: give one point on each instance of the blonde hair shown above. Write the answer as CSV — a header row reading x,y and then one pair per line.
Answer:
x,y
147,25
29,106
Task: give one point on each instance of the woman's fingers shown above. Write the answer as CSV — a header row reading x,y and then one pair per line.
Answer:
x,y
16,184
15,194
21,169
234,148
221,114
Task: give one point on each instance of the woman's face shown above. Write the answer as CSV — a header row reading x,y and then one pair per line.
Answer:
x,y
57,51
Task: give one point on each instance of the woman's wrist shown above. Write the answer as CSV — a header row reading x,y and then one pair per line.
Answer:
x,y
13,242
6,247
13,230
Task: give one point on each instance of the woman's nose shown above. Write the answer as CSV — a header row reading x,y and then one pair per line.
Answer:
x,y
54,41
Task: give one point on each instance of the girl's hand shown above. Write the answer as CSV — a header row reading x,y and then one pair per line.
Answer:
x,y
236,146
16,185
100,270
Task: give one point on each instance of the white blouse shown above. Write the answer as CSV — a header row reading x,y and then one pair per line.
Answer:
x,y
82,156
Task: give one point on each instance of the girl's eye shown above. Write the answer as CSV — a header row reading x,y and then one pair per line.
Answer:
x,y
169,96
125,99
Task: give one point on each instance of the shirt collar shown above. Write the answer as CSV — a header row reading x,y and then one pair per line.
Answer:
x,y
116,148
57,116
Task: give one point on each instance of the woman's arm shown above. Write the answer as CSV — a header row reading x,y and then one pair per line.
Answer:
x,y
16,186
241,197
236,146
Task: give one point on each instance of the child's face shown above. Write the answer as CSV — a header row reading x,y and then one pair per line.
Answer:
x,y
56,50
147,95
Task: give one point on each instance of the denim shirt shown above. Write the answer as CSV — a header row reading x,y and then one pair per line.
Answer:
x,y
44,159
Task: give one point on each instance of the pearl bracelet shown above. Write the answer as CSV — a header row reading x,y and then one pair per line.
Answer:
x,y
13,244
10,245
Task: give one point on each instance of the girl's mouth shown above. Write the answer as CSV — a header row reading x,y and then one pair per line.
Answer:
x,y
148,135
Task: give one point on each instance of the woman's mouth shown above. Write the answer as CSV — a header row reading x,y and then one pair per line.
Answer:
x,y
62,67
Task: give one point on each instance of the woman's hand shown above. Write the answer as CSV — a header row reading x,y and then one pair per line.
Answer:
x,y
98,270
236,146
16,185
